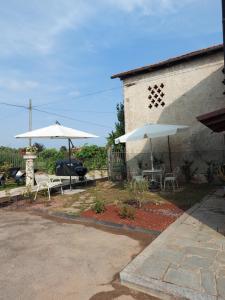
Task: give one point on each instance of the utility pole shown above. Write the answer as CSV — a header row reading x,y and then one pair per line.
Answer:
x,y
30,119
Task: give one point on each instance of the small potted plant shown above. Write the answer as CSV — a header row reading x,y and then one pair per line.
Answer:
x,y
31,150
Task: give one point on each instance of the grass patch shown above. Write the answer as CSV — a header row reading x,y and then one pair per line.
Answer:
x,y
98,206
184,198
110,193
69,202
127,212
10,185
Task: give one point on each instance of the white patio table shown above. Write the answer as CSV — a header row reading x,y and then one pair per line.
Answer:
x,y
153,173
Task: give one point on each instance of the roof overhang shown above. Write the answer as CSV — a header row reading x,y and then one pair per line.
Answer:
x,y
170,62
214,120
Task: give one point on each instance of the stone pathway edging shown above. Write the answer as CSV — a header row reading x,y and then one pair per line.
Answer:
x,y
65,216
157,242
137,274
165,291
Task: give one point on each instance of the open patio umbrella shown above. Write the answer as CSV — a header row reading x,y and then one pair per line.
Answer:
x,y
57,131
151,131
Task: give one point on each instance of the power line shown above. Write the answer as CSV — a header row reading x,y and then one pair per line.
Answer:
x,y
14,105
89,111
54,114
70,118
82,96
79,111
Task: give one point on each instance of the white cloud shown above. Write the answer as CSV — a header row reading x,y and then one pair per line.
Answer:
x,y
74,93
34,25
149,7
16,85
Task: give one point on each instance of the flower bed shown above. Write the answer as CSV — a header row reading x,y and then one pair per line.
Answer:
x,y
150,216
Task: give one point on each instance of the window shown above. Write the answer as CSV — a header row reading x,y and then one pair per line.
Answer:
x,y
156,95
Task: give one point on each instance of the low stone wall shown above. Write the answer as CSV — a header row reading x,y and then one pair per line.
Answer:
x,y
98,173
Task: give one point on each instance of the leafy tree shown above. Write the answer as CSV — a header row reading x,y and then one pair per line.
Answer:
x,y
49,157
40,147
63,149
119,128
8,150
93,156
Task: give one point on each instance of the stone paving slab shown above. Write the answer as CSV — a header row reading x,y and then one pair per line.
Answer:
x,y
187,260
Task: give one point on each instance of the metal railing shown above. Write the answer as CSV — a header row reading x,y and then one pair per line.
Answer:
x,y
12,159
121,164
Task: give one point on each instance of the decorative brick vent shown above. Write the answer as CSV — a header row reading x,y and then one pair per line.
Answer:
x,y
156,95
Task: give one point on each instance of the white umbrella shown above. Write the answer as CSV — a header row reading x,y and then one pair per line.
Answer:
x,y
58,131
150,131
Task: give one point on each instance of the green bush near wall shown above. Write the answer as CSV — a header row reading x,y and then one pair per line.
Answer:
x,y
47,159
93,156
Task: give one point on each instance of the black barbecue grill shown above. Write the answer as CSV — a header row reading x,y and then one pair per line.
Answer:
x,y
73,167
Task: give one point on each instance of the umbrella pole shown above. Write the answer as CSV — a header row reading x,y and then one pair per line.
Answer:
x,y
152,164
70,163
170,156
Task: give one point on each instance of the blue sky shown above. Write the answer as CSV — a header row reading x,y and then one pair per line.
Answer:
x,y
61,53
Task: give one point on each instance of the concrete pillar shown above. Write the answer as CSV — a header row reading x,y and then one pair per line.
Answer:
x,y
29,157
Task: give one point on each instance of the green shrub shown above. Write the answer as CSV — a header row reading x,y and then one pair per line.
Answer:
x,y
93,156
127,212
136,191
98,206
4,168
48,157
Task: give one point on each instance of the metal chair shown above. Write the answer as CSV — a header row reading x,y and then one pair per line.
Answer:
x,y
171,178
45,182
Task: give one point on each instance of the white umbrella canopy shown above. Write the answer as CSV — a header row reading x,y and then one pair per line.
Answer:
x,y
57,131
151,131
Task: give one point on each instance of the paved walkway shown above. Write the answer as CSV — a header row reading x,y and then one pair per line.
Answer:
x,y
22,189
188,259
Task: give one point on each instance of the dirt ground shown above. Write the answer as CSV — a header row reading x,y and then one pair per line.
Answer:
x,y
45,258
157,211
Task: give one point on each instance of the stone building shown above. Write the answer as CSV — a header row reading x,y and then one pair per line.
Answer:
x,y
176,91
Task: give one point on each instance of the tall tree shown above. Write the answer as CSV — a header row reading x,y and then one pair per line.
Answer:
x,y
119,128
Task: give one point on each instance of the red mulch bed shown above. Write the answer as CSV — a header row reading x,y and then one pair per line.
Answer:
x,y
150,216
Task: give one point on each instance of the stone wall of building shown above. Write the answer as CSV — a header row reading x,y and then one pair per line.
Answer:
x,y
176,95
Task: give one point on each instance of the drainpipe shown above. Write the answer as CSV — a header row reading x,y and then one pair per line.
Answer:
x,y
223,18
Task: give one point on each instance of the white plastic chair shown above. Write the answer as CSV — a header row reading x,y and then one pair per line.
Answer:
x,y
171,178
45,182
